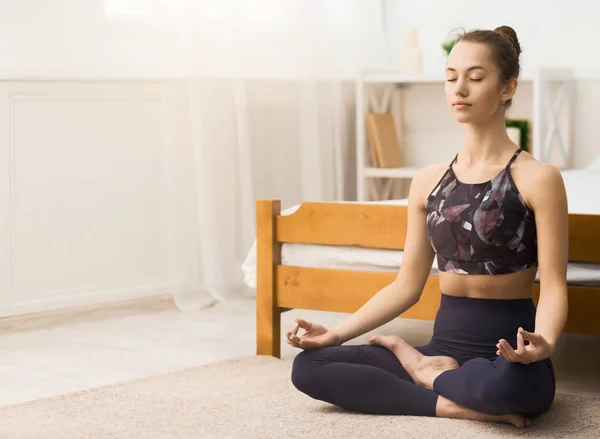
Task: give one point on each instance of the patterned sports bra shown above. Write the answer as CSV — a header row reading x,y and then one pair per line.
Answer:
x,y
481,228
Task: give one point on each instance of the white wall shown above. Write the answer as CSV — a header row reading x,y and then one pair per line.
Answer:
x,y
82,218
105,237
72,38
551,33
82,211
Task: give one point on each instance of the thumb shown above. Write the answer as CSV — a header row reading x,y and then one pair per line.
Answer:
x,y
530,336
304,324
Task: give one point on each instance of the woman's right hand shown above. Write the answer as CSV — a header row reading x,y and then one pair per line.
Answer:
x,y
315,336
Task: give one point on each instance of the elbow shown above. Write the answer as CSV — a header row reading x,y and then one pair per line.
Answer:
x,y
415,298
406,294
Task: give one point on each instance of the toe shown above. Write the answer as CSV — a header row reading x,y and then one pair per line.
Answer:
x,y
518,422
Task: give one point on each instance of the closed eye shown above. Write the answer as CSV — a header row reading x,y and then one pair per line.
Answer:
x,y
472,79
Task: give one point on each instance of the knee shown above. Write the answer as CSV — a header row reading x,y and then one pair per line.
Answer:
x,y
303,370
485,386
498,387
519,388
498,398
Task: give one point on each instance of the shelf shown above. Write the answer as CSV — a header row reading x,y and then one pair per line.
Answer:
x,y
384,76
376,91
391,172
396,76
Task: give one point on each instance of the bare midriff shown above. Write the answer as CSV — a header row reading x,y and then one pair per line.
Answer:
x,y
501,286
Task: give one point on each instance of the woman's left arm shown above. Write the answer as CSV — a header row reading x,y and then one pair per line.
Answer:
x,y
548,199
552,221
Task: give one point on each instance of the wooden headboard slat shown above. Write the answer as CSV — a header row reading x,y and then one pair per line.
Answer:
x,y
384,226
373,226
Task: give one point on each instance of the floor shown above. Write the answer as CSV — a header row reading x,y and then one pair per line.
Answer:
x,y
88,353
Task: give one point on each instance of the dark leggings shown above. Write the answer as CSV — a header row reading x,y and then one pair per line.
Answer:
x,y
370,379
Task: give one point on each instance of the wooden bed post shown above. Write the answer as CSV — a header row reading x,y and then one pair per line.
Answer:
x,y
268,316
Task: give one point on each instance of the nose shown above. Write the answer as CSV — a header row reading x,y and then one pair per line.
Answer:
x,y
461,90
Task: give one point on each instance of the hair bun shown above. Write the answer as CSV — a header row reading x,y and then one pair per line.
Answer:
x,y
510,33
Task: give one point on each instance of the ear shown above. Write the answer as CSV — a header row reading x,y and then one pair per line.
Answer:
x,y
508,90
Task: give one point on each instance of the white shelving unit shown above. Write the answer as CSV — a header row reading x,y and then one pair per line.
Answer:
x,y
390,172
551,121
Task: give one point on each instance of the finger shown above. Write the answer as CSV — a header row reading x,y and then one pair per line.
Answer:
x,y
520,342
289,335
303,343
295,341
509,352
303,324
293,331
502,352
531,337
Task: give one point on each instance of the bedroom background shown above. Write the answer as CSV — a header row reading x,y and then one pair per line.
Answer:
x,y
137,135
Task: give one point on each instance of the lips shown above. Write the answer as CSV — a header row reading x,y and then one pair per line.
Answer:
x,y
460,103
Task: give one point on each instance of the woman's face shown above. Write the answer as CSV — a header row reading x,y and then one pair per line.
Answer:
x,y
473,89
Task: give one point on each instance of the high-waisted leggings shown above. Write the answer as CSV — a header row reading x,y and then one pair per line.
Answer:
x,y
370,379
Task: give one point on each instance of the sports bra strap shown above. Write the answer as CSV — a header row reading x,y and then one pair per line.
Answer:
x,y
437,185
512,159
517,152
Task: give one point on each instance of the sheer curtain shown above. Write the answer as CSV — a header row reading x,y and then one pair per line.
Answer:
x,y
261,108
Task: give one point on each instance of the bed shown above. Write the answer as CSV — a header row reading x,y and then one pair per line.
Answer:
x,y
333,256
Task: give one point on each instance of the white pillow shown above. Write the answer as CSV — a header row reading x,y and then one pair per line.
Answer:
x,y
595,165
577,184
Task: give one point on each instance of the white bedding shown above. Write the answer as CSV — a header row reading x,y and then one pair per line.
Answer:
x,y
577,183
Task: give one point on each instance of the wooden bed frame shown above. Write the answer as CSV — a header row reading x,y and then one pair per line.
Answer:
x,y
374,226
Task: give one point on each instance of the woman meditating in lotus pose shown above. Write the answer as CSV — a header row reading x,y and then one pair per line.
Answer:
x,y
492,217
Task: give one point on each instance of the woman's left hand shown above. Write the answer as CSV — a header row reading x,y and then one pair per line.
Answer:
x,y
537,349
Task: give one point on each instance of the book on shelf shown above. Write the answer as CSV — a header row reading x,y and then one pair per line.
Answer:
x,y
383,141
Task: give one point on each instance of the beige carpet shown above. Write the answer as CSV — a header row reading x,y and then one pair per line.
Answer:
x,y
253,398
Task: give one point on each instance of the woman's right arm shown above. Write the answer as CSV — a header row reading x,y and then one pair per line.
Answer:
x,y
406,289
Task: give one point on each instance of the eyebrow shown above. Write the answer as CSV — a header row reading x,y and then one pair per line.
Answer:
x,y
468,70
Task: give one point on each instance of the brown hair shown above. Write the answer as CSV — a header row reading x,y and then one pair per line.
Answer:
x,y
505,47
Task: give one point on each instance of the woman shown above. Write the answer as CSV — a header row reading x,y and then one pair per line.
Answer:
x,y
493,216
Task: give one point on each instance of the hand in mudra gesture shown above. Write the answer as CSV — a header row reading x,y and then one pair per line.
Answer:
x,y
537,349
315,335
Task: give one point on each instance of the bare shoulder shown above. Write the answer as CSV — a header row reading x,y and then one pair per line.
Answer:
x,y
426,179
428,176
533,172
536,180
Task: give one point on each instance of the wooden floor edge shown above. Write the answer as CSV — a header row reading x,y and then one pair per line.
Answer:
x,y
86,313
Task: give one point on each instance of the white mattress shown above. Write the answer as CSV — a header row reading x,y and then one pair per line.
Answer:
x,y
577,183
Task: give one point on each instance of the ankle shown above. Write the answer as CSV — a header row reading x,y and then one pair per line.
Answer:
x,y
445,408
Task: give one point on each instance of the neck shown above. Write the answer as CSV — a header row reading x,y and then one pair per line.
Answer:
x,y
486,142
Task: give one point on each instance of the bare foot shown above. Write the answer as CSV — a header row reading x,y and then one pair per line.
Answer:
x,y
421,368
448,409
424,370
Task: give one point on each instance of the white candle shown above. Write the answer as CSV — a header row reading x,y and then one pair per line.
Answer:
x,y
412,64
411,38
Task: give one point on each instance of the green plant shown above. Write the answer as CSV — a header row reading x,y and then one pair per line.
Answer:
x,y
523,126
447,46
